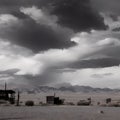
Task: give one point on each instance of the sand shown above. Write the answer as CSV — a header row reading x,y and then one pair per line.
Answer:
x,y
59,113
72,97
65,112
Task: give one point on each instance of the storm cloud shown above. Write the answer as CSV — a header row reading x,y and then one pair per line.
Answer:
x,y
78,15
95,63
35,36
109,6
45,42
67,16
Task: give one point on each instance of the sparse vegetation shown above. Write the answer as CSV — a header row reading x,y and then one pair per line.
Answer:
x,y
83,103
69,103
29,103
113,105
98,103
40,103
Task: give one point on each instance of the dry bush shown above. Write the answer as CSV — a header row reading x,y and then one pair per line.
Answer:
x,y
114,105
29,103
83,103
40,103
69,103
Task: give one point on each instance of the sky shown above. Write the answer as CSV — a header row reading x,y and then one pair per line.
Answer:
x,y
56,42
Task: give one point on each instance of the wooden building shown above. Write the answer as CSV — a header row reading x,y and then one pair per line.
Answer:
x,y
54,100
50,99
7,95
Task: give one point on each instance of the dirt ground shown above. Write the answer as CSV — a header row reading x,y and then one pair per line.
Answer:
x,y
72,97
93,112
59,113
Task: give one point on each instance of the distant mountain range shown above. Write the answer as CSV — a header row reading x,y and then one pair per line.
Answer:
x,y
84,89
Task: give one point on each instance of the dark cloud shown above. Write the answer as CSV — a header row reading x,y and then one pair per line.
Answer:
x,y
77,14
114,17
72,15
46,78
96,63
39,80
111,6
36,37
30,34
12,6
20,2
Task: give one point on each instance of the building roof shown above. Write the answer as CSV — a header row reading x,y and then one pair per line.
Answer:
x,y
50,96
7,91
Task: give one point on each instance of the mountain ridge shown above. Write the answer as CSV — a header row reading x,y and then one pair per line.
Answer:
x,y
74,89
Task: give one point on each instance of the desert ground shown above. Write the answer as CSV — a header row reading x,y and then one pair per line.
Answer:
x,y
62,112
72,97
59,113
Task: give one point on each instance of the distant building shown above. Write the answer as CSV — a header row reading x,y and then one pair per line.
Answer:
x,y
54,100
50,99
7,95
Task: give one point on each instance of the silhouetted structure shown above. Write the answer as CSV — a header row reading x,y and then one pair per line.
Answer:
x,y
18,98
50,99
7,95
54,100
108,100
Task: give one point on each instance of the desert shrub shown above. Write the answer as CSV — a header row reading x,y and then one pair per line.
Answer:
x,y
114,105
98,103
29,103
40,102
83,103
69,103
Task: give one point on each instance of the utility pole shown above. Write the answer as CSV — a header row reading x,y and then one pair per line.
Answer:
x,y
54,94
5,86
18,98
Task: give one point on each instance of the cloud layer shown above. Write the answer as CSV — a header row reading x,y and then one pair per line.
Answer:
x,y
42,25
78,15
50,42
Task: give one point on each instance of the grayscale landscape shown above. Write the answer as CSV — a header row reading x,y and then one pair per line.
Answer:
x,y
59,59
59,112
62,112
67,111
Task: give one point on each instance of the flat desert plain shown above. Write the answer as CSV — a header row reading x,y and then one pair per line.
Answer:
x,y
59,113
72,97
63,112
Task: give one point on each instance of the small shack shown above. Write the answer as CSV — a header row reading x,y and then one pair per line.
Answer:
x,y
7,95
54,100
50,99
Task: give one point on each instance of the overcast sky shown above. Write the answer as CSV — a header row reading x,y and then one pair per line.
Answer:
x,y
49,42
